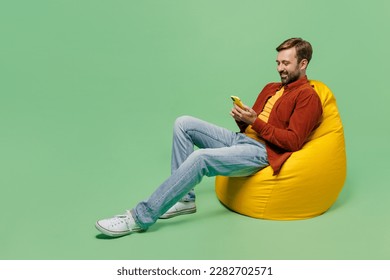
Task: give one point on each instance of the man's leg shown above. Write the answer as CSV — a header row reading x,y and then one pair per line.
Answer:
x,y
189,132
226,153
244,157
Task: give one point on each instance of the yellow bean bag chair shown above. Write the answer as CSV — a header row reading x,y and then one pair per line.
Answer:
x,y
309,181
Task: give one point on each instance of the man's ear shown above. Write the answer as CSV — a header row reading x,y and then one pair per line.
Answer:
x,y
303,64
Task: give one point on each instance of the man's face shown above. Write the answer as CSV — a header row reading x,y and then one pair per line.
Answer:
x,y
288,66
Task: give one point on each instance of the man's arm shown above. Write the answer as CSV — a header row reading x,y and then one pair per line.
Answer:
x,y
305,117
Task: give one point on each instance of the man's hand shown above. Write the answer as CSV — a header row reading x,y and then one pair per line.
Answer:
x,y
246,115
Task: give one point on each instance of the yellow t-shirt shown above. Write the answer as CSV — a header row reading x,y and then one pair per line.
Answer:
x,y
264,115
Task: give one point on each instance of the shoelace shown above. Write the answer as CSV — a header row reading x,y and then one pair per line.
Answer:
x,y
126,218
123,218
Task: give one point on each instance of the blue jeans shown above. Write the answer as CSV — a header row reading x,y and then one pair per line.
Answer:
x,y
221,152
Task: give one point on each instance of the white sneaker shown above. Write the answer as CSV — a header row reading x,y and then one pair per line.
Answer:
x,y
180,208
118,225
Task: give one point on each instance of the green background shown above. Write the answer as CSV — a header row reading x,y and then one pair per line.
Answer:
x,y
89,91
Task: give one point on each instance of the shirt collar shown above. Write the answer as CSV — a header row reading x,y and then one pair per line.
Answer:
x,y
295,84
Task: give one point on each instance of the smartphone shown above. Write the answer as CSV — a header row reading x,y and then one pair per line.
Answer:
x,y
237,100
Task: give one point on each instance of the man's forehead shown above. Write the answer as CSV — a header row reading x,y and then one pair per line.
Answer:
x,y
287,55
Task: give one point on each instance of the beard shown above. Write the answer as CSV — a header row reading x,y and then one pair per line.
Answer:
x,y
289,77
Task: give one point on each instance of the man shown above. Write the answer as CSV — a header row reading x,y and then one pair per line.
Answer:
x,y
278,124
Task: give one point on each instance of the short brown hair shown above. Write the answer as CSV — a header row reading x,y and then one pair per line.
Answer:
x,y
303,48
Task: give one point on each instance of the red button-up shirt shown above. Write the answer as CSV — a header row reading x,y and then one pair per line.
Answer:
x,y
294,116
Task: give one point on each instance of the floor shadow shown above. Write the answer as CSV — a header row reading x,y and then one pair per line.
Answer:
x,y
102,236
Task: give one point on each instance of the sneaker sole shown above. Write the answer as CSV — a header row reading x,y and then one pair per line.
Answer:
x,y
178,213
114,233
